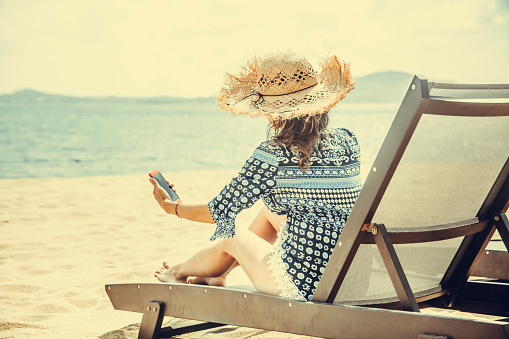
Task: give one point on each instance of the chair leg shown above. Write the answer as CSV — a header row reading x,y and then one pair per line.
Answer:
x,y
152,320
394,268
474,250
502,225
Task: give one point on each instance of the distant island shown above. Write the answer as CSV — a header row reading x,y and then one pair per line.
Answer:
x,y
32,96
377,87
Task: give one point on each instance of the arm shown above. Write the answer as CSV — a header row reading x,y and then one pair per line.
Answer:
x,y
194,212
254,181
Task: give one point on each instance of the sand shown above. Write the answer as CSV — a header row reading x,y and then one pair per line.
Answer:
x,y
62,240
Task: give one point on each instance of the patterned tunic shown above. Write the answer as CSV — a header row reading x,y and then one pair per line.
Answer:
x,y
317,204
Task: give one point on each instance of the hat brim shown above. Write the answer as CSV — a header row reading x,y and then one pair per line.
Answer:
x,y
333,83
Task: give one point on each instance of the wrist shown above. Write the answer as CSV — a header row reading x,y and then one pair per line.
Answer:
x,y
168,206
176,211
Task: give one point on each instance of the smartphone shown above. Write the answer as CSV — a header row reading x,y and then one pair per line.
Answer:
x,y
164,184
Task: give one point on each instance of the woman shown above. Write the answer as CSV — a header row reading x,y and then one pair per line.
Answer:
x,y
306,174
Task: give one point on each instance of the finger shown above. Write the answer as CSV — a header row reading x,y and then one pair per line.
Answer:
x,y
154,182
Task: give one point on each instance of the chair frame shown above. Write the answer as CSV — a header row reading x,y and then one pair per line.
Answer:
x,y
319,317
494,263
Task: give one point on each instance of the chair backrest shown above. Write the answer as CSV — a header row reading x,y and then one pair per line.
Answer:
x,y
443,165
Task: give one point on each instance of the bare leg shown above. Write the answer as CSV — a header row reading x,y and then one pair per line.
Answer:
x,y
211,281
266,225
210,266
252,253
210,262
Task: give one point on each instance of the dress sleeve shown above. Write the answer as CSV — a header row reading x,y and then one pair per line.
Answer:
x,y
255,180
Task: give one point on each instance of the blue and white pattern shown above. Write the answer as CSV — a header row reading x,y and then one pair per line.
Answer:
x,y
317,204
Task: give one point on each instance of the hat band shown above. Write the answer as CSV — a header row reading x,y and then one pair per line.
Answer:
x,y
261,99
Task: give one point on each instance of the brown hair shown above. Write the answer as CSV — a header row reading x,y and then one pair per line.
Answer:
x,y
300,135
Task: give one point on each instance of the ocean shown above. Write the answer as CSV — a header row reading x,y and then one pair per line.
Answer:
x,y
41,140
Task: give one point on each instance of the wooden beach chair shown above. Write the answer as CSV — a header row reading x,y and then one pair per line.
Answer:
x,y
436,193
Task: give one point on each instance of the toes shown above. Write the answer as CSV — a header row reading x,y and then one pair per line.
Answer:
x,y
161,270
165,265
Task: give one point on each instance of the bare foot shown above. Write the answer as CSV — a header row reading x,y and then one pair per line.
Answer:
x,y
167,274
219,281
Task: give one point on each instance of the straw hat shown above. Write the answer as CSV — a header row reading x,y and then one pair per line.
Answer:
x,y
285,86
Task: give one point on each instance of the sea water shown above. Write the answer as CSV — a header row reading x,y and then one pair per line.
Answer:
x,y
91,139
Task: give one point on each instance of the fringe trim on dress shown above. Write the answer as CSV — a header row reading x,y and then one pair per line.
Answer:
x,y
276,265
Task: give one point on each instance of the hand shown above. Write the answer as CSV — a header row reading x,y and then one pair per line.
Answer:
x,y
194,212
162,197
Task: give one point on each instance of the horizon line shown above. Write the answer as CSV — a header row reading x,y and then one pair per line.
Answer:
x,y
156,96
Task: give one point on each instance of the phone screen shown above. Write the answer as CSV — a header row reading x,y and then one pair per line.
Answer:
x,y
164,184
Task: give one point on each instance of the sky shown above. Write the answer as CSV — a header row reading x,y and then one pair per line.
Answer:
x,y
183,48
